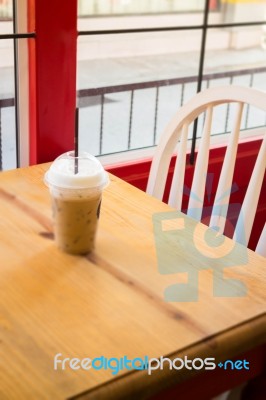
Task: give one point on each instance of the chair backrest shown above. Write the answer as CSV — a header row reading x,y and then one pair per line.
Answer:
x,y
175,137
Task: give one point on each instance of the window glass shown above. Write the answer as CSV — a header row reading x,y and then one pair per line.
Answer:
x,y
7,89
130,85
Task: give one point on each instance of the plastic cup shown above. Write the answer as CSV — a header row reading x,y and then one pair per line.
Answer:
x,y
76,185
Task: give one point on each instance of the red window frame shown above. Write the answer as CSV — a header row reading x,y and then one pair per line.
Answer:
x,y
52,66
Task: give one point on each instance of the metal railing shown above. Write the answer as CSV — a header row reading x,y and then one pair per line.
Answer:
x,y
101,94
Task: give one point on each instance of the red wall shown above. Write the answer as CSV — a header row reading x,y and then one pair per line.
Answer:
x,y
137,174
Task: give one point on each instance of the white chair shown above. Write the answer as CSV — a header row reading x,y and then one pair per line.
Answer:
x,y
176,136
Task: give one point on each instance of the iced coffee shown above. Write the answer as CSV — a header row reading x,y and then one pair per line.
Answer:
x,y
76,201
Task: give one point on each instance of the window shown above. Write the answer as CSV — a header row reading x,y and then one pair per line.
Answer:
x,y
138,64
135,68
13,84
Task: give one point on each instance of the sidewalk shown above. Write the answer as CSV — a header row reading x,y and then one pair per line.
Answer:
x,y
115,71
109,72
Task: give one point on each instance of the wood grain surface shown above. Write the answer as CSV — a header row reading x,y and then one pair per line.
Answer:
x,y
111,302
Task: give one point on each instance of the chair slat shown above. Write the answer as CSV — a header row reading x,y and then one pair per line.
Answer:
x,y
199,179
156,184
160,164
188,113
176,193
248,210
261,246
222,197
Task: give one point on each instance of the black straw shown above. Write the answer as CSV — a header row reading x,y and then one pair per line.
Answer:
x,y
76,140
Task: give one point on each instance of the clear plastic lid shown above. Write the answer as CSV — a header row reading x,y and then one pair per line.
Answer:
x,y
82,172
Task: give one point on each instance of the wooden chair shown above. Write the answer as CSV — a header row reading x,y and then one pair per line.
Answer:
x,y
177,132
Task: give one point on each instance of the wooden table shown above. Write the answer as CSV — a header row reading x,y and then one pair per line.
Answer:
x,y
110,303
